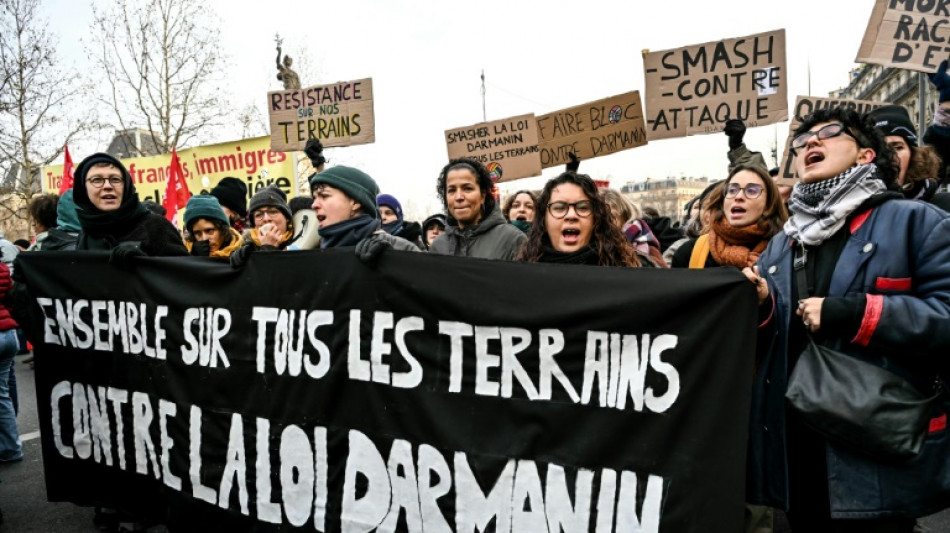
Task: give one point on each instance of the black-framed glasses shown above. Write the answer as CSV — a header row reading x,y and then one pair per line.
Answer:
x,y
99,181
751,191
560,209
823,133
269,211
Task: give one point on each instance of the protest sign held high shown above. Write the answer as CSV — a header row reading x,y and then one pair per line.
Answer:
x,y
338,114
260,399
908,34
250,160
806,105
590,130
696,89
508,148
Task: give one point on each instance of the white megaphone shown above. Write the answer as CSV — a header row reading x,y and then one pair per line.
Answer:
x,y
307,237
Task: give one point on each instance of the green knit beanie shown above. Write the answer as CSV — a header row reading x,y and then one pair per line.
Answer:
x,y
356,184
204,206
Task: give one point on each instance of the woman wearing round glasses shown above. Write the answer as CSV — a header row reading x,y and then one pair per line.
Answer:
x,y
272,225
111,216
742,218
877,286
576,227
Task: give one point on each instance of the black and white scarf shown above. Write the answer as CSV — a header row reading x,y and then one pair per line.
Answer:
x,y
818,210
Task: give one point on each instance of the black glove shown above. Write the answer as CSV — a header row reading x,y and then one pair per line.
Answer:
x,y
574,164
123,254
370,248
201,248
735,129
239,258
941,81
314,151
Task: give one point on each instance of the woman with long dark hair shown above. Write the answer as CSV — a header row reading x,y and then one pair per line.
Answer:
x,y
574,225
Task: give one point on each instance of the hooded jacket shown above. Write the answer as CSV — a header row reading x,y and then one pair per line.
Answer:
x,y
130,223
492,238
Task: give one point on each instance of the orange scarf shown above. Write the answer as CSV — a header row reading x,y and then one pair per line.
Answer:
x,y
738,247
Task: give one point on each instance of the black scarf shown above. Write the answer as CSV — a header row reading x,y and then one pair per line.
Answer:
x,y
103,229
394,227
348,232
585,256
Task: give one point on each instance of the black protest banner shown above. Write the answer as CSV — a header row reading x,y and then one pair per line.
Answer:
x,y
908,34
598,128
338,114
696,89
805,106
311,392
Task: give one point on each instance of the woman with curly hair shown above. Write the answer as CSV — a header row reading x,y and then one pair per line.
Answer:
x,y
743,213
575,226
475,225
919,166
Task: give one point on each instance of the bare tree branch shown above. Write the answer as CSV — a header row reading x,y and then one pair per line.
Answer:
x,y
163,59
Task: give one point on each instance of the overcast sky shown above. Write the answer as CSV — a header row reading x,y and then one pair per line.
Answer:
x,y
425,58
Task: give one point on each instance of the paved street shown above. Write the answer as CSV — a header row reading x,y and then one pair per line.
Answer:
x,y
23,489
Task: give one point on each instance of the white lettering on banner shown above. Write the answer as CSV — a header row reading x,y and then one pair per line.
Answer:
x,y
126,327
380,485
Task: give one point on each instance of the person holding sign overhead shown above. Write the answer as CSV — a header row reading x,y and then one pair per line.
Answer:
x,y
475,225
865,273
576,227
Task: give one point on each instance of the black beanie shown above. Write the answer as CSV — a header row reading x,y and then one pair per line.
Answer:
x,y
894,120
231,193
270,197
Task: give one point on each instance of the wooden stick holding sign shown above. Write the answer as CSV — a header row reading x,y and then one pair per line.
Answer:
x,y
805,106
696,89
907,34
590,130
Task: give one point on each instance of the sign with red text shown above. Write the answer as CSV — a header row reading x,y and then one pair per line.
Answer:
x,y
591,130
696,89
907,34
250,160
508,147
339,114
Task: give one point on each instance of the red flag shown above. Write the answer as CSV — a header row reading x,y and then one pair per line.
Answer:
x,y
67,181
176,190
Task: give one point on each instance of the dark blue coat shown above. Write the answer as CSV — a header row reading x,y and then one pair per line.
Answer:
x,y
898,256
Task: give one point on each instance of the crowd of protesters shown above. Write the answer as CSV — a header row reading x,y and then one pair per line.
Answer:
x,y
868,207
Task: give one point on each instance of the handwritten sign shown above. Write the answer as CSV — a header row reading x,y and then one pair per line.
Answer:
x,y
696,89
591,130
339,114
508,147
908,34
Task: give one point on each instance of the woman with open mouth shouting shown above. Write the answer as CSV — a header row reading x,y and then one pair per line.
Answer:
x,y
866,273
742,218
575,227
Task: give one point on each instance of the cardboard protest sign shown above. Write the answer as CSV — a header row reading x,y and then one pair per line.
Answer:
x,y
507,147
250,160
338,114
369,399
908,34
696,89
590,130
805,106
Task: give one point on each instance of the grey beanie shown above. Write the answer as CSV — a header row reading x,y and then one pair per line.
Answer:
x,y
269,197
